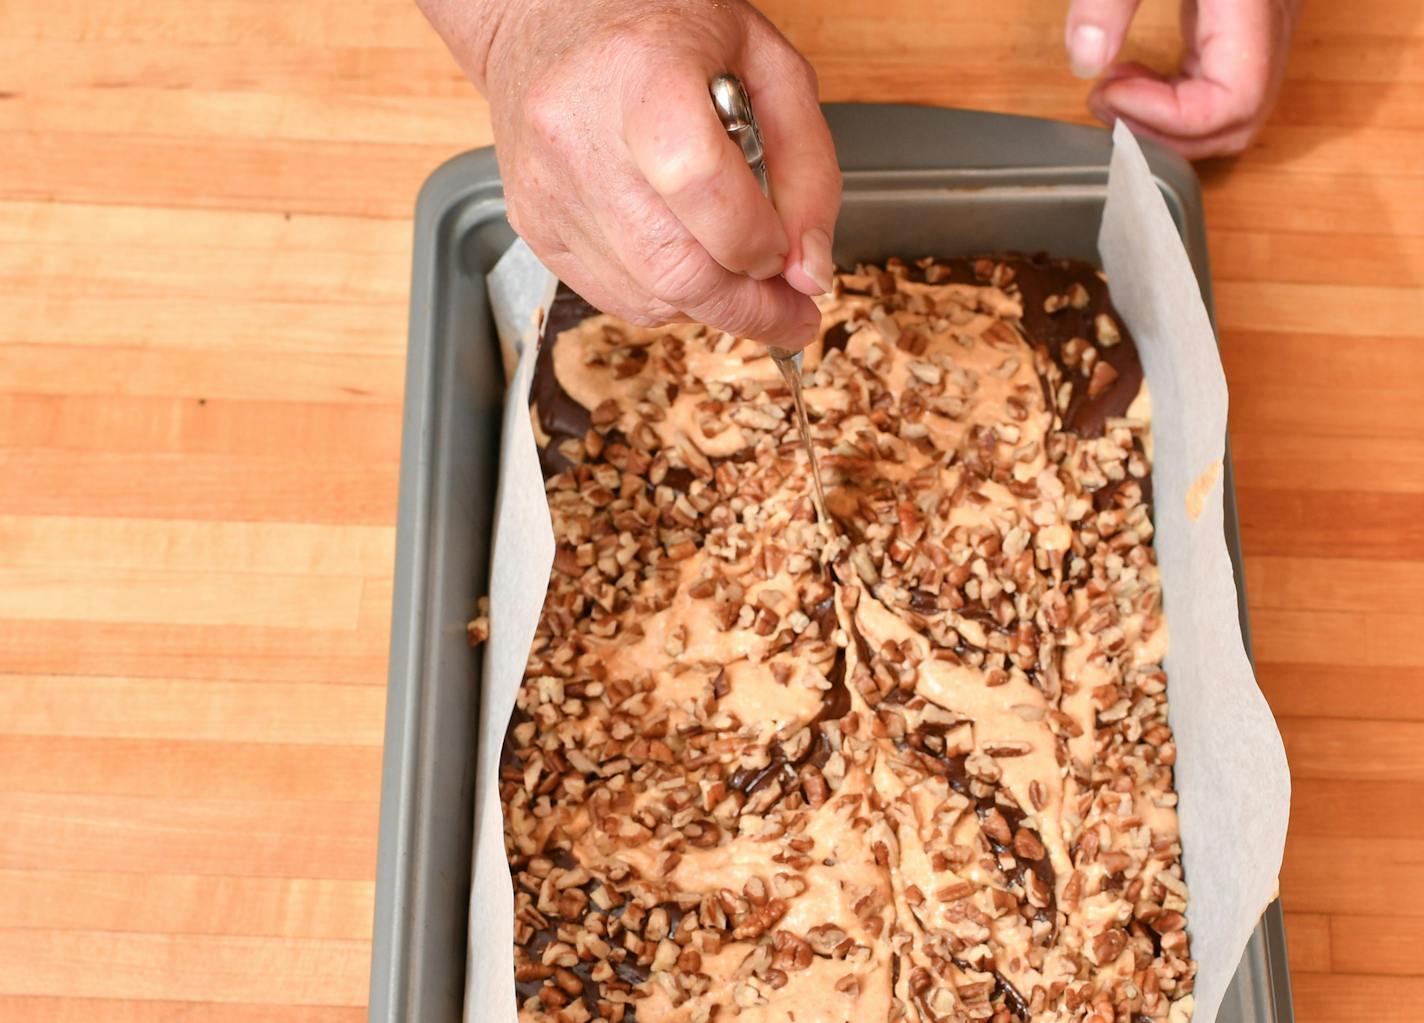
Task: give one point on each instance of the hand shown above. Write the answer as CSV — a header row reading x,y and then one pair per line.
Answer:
x,y
1235,58
620,176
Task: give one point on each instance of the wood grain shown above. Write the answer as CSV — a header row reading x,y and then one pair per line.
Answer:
x,y
1351,873
204,260
218,968
72,1009
1334,807
172,904
1309,942
1339,996
1376,944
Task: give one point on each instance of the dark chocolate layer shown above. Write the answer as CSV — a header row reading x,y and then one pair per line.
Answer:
x,y
1036,278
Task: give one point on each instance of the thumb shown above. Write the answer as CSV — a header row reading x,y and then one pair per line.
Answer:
x,y
800,160
1095,32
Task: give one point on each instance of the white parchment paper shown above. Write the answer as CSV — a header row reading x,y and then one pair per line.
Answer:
x,y
1231,776
1231,770
521,291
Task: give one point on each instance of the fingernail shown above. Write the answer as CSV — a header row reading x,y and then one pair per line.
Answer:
x,y
816,257
768,268
1087,51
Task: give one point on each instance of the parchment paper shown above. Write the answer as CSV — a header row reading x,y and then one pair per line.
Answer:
x,y
521,291
1231,776
1231,772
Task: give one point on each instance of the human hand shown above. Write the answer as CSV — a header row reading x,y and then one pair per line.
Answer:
x,y
620,176
1235,58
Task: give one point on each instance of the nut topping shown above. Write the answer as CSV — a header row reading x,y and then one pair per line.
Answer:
x,y
920,762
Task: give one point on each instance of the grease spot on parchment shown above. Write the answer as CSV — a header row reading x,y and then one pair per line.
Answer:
x,y
1196,493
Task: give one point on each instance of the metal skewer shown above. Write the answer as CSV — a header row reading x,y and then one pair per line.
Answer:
x,y
734,108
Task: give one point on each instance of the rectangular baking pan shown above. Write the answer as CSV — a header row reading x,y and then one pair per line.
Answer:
x,y
918,181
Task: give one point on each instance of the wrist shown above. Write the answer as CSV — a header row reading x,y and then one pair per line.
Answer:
x,y
473,29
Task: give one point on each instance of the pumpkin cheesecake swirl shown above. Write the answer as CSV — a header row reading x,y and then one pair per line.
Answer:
x,y
913,767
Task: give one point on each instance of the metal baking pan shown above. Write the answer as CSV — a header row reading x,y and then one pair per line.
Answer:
x,y
918,181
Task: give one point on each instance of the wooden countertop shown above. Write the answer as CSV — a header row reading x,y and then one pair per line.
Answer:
x,y
204,256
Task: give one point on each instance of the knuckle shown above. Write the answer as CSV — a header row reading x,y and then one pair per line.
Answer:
x,y
644,316
1209,122
1236,142
628,302
536,232
662,312
546,112
1235,110
1245,110
805,75
680,273
516,211
616,299
740,313
689,164
1198,121
720,311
